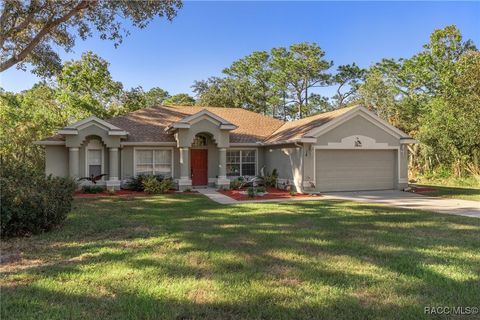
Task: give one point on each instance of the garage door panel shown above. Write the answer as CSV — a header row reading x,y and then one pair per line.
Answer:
x,y
349,170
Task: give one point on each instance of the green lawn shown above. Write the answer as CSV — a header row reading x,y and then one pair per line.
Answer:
x,y
453,192
185,257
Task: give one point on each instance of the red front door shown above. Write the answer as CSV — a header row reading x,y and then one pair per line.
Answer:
x,y
199,164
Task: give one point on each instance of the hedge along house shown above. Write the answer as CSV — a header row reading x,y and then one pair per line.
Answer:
x,y
343,150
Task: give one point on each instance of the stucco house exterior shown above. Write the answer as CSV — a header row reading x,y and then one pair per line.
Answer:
x,y
343,150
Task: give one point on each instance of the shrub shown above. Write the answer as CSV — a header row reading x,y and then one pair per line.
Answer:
x,y
92,189
251,192
30,202
261,189
271,179
235,184
152,185
136,183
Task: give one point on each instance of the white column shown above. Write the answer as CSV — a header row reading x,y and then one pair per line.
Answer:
x,y
184,182
113,183
113,164
222,163
222,181
74,162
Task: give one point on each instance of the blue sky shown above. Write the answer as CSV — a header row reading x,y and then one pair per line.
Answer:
x,y
208,36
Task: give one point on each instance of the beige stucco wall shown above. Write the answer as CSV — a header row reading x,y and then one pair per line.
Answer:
x,y
362,127
56,161
357,126
185,136
287,159
92,130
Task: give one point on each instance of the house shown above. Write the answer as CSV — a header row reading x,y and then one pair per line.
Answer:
x,y
346,149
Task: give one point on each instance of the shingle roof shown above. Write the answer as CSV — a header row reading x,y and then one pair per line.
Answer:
x,y
297,129
148,125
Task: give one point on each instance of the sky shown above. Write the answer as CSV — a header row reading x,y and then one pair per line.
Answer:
x,y
206,37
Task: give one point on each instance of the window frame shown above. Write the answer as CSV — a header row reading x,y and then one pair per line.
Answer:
x,y
95,144
153,158
241,161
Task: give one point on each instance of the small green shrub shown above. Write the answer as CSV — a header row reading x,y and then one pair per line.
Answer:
x,y
235,184
30,202
92,189
136,183
261,190
251,192
271,179
152,185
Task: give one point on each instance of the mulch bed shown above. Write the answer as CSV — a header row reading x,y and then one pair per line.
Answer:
x,y
422,189
272,193
120,193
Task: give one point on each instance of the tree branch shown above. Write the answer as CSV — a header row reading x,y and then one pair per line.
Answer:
x,y
49,26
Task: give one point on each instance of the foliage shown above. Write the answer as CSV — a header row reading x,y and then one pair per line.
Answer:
x,y
271,179
435,97
136,183
152,185
260,189
86,88
31,31
92,189
26,117
235,184
181,99
155,96
280,83
31,202
251,192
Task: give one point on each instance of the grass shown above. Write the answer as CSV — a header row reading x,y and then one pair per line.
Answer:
x,y
185,257
453,192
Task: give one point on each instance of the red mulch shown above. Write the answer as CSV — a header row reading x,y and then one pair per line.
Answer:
x,y
422,189
118,193
272,193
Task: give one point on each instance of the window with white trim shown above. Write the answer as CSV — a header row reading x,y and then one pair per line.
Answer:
x,y
94,162
153,161
241,163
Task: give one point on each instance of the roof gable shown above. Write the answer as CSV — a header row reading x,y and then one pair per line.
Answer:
x,y
201,115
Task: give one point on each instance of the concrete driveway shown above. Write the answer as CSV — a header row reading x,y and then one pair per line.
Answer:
x,y
395,198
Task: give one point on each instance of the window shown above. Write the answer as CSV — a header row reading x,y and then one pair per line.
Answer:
x,y
241,163
199,141
153,161
94,162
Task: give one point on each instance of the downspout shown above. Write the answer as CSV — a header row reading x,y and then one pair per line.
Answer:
x,y
302,166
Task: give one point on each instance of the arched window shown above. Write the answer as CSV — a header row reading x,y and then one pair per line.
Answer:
x,y
199,141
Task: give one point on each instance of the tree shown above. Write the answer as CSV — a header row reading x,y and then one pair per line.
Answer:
x,y
348,79
217,92
305,69
155,96
181,99
251,75
30,31
28,116
86,87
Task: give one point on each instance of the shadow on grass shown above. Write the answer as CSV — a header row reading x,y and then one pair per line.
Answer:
x,y
328,259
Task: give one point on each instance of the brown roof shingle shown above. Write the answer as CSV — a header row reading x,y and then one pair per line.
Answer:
x,y
297,129
148,125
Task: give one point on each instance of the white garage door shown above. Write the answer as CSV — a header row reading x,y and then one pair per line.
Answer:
x,y
350,170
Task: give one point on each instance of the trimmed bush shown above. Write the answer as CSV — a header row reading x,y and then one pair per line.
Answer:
x,y
152,185
92,189
136,183
251,192
30,202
